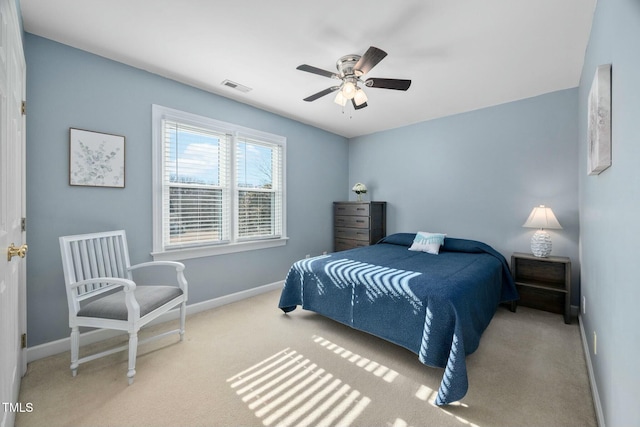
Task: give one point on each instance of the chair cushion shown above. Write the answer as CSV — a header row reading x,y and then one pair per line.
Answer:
x,y
113,306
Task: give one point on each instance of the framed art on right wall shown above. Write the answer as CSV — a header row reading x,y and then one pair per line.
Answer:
x,y
599,121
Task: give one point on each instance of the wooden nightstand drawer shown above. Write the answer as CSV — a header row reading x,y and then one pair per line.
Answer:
x,y
541,299
544,273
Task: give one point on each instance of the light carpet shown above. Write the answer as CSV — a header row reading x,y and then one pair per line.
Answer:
x,y
248,364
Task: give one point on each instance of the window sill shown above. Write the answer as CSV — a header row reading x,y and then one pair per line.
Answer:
x,y
230,248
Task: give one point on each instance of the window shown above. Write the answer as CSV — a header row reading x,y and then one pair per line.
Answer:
x,y
218,187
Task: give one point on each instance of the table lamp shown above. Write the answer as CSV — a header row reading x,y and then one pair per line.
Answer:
x,y
541,217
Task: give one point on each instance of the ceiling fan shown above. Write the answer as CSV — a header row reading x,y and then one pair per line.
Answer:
x,y
351,68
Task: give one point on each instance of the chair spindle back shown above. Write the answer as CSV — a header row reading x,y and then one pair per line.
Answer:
x,y
90,256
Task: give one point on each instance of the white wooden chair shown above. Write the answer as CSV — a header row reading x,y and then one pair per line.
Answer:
x,y
102,294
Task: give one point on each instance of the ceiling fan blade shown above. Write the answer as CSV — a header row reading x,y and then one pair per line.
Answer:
x,y
370,59
358,107
322,93
316,70
397,84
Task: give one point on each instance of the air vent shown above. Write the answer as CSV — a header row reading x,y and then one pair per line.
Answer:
x,y
236,86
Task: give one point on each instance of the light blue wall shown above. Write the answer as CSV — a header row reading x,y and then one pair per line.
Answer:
x,y
474,175
610,216
478,175
67,88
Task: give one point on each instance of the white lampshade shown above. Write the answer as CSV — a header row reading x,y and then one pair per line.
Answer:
x,y
340,99
360,97
541,217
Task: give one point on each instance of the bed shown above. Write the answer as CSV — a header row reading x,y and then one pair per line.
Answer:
x,y
436,306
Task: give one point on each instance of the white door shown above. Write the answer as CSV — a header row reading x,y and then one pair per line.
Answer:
x,y
12,210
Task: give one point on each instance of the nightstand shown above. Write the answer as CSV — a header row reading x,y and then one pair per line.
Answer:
x,y
543,283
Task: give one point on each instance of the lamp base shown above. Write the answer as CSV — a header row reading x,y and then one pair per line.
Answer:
x,y
541,244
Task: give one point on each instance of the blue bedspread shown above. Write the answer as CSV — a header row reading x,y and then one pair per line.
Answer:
x,y
437,306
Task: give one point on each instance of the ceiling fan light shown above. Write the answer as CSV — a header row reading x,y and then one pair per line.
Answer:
x,y
340,99
349,90
360,97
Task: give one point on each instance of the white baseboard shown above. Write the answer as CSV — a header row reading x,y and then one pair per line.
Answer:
x,y
592,378
60,346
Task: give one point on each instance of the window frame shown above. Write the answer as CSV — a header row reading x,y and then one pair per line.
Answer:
x,y
234,245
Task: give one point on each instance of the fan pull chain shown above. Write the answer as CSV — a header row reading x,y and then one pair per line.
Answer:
x,y
350,113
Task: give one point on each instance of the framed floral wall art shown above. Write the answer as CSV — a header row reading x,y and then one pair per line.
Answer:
x,y
599,121
96,159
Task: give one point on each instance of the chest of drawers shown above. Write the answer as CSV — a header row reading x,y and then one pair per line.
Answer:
x,y
358,224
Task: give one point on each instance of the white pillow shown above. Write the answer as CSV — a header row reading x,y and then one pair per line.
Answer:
x,y
427,242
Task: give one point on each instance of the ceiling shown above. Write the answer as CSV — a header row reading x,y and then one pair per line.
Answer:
x,y
460,55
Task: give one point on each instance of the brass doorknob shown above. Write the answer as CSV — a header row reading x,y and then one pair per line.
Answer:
x,y
12,251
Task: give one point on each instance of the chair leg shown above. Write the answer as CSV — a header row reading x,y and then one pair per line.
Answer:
x,y
133,349
183,314
75,350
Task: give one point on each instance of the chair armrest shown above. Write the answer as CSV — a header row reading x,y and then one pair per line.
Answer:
x,y
129,285
182,281
178,265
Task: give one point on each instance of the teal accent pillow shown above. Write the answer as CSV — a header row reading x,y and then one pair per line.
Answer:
x,y
427,242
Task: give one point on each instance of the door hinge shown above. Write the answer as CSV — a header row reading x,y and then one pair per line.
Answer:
x,y
23,108
23,224
23,341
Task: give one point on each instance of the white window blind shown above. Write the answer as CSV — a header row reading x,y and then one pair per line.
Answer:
x,y
215,184
195,181
258,189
